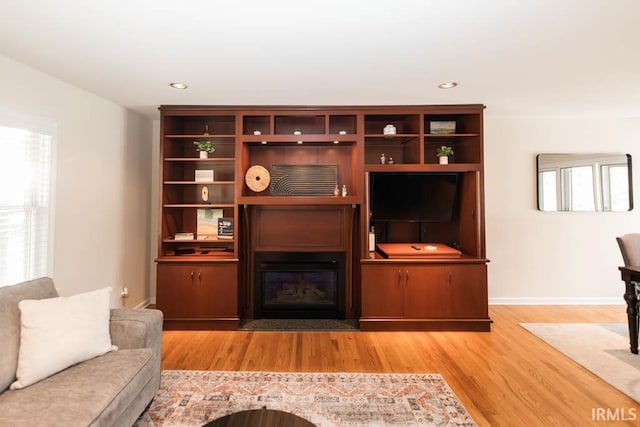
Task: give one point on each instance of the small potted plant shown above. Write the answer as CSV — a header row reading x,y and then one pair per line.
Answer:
x,y
204,147
443,152
297,131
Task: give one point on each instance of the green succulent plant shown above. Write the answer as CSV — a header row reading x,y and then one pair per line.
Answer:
x,y
444,151
204,146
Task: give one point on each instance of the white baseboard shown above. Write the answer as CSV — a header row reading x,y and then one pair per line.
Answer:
x,y
504,301
557,301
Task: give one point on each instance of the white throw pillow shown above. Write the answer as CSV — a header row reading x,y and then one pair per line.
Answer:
x,y
59,332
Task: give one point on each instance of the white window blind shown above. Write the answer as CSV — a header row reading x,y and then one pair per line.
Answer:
x,y
26,165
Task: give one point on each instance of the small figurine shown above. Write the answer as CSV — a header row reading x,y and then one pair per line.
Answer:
x,y
344,191
391,161
383,159
336,192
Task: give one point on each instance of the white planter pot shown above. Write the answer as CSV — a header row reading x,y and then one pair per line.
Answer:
x,y
204,155
444,160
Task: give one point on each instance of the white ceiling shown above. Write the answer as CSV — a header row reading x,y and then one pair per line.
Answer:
x,y
534,57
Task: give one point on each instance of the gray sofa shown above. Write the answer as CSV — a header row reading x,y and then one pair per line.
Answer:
x,y
109,390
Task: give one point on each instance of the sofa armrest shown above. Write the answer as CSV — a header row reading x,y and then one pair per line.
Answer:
x,y
135,328
141,328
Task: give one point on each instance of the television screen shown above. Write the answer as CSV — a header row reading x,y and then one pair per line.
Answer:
x,y
409,196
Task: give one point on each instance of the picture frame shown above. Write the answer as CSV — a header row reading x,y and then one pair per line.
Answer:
x,y
442,127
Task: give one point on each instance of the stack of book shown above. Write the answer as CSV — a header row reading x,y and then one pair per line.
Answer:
x,y
183,236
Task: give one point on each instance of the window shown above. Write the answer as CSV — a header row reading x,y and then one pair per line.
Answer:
x,y
578,188
26,165
548,190
615,186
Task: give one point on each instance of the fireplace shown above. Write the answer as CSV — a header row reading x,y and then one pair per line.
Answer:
x,y
299,285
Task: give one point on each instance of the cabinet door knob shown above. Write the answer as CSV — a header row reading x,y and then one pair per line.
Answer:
x,y
399,277
450,277
191,277
406,272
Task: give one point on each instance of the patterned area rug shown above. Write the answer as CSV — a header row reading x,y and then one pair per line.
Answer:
x,y
192,398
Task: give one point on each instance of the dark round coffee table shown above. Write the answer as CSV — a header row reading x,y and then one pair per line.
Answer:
x,y
260,418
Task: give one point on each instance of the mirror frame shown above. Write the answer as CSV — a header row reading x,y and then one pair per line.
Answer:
x,y
583,159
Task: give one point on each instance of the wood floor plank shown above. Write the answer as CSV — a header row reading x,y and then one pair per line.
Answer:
x,y
506,377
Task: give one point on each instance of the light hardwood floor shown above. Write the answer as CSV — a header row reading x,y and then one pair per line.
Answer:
x,y
506,377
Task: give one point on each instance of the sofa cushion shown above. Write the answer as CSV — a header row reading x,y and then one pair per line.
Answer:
x,y
10,296
59,332
96,392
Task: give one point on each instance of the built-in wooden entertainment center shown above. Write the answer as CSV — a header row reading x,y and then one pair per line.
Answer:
x,y
300,250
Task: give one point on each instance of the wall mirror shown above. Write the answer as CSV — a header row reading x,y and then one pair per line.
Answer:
x,y
584,182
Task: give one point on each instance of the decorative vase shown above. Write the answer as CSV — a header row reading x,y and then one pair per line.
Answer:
x,y
444,160
204,154
389,130
297,132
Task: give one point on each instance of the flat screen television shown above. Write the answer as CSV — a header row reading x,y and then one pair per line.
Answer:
x,y
413,196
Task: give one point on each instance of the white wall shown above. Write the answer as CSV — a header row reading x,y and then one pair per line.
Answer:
x,y
107,158
102,205
552,257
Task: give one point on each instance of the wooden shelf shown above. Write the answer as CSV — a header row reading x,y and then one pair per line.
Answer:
x,y
219,257
198,241
198,205
199,160
199,182
309,138
452,167
449,135
198,136
390,138
375,257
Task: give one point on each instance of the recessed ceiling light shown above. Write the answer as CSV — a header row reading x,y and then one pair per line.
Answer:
x,y
178,85
447,85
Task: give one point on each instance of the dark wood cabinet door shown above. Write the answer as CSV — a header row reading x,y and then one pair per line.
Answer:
x,y
197,290
427,294
469,291
217,290
383,290
174,291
